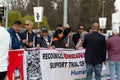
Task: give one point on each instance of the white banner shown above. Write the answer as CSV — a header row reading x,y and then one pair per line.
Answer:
x,y
62,65
102,22
51,64
38,14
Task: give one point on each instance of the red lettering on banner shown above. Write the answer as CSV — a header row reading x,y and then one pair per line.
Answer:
x,y
73,56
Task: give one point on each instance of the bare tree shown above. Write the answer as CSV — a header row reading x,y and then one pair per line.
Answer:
x,y
91,10
79,11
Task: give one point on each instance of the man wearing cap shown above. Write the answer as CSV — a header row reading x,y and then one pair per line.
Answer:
x,y
16,40
4,47
44,40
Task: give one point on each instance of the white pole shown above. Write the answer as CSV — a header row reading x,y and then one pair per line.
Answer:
x,y
65,12
6,16
103,8
103,12
38,6
7,6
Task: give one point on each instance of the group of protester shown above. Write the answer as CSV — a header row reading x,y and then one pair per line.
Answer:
x,y
62,38
92,40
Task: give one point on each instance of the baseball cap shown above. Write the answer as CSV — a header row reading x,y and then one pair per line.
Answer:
x,y
44,29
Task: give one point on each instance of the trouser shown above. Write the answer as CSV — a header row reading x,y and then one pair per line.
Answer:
x,y
97,68
114,67
3,75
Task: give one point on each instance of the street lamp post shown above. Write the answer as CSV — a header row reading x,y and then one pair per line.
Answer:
x,y
103,8
6,16
65,12
7,6
38,6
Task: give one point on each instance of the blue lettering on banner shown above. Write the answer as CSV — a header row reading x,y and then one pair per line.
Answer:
x,y
80,79
74,72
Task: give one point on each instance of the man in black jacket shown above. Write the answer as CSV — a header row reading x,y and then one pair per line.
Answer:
x,y
77,36
29,35
95,53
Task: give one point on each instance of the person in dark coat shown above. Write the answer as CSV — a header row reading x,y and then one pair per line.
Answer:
x,y
95,53
77,35
29,35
